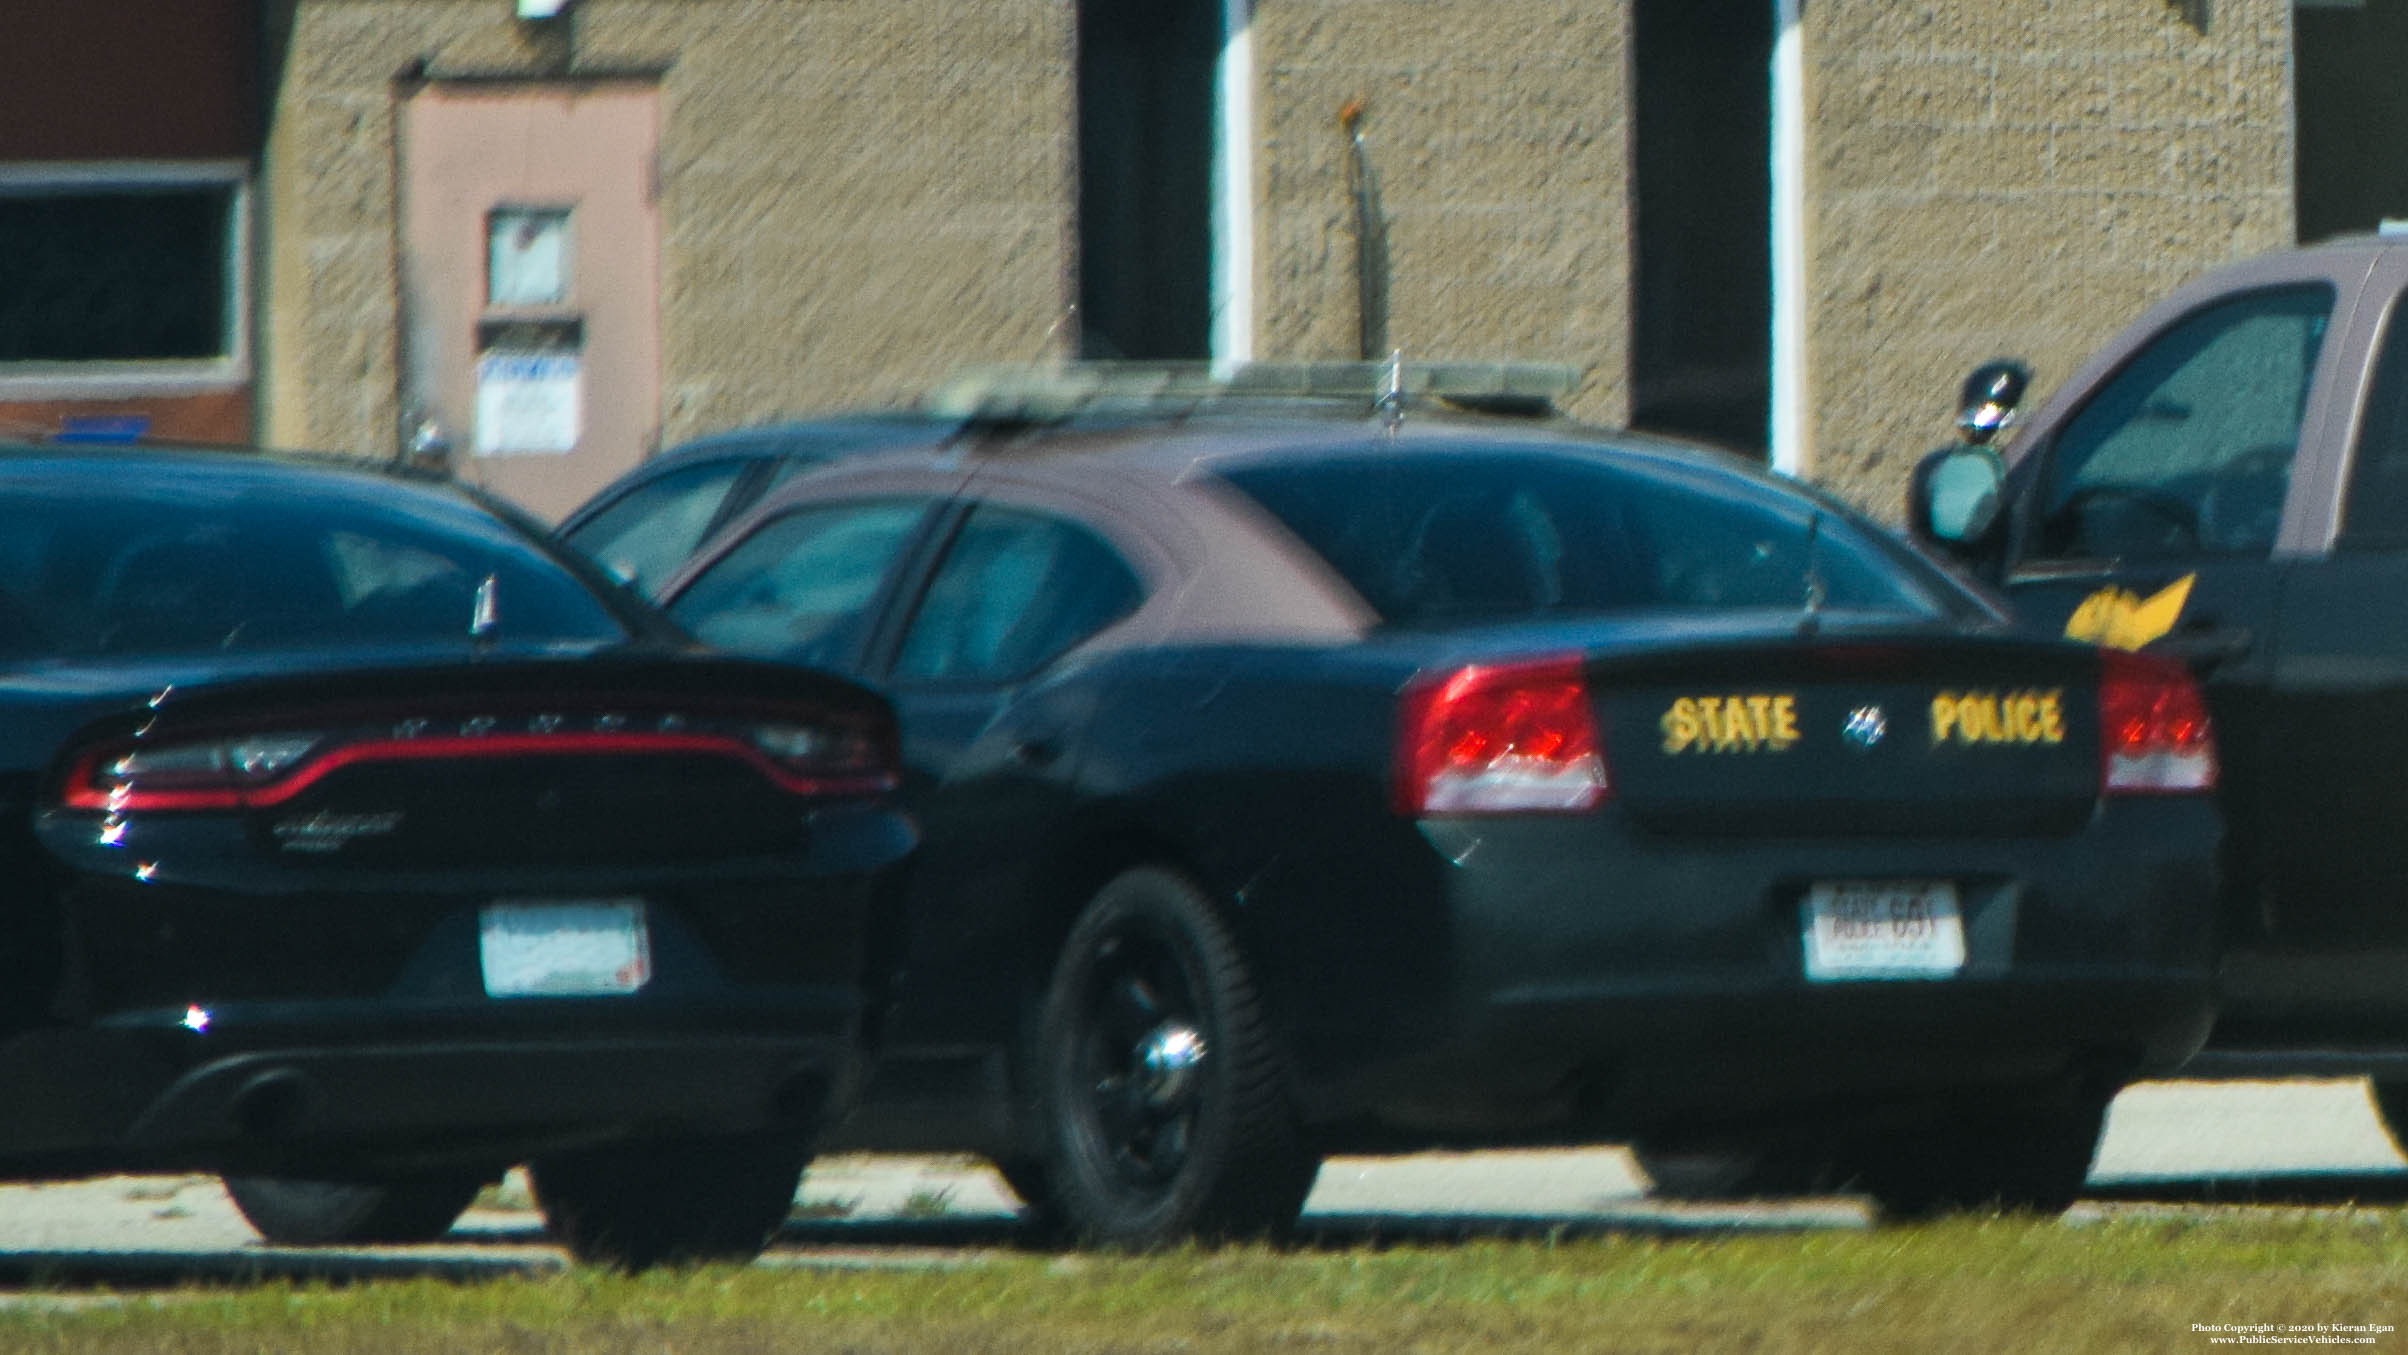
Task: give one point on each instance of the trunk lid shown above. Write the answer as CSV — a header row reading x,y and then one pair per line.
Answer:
x,y
619,759
1852,735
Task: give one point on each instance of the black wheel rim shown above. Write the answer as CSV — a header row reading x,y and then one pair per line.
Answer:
x,y
1140,1059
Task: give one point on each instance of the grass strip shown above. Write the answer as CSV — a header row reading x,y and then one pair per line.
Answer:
x,y
2133,1282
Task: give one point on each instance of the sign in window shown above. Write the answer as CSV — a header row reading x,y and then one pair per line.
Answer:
x,y
527,402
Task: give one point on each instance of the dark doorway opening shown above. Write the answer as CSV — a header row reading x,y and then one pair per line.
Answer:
x,y
1146,93
1701,347
2352,165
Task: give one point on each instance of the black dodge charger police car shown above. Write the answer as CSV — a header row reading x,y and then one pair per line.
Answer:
x,y
359,847
1297,781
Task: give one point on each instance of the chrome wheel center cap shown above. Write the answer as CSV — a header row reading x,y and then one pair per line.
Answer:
x,y
1168,1059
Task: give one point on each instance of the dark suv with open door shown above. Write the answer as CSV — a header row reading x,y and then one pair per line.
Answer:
x,y
2226,485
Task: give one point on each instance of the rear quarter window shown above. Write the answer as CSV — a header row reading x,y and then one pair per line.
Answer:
x,y
1434,537
653,527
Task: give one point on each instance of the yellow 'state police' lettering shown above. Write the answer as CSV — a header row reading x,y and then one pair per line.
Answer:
x,y
2021,717
1740,723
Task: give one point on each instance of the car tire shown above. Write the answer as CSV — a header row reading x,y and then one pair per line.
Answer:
x,y
1028,1180
1041,1222
296,1212
1163,1100
1736,1169
2391,1107
669,1202
2030,1159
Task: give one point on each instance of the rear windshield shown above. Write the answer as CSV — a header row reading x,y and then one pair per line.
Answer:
x,y
1444,537
116,570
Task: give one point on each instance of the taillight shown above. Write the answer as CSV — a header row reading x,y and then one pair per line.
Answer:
x,y
1499,739
200,773
832,757
262,769
239,761
2154,735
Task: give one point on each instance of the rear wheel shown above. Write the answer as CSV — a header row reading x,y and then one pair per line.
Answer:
x,y
1028,1180
2391,1103
1163,1101
669,1202
2023,1159
1041,1220
1735,1168
295,1212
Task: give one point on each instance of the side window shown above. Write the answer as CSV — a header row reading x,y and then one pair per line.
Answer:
x,y
2375,515
800,588
653,528
1015,591
2188,449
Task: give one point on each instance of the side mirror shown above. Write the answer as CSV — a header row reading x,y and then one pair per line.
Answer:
x,y
1954,501
1987,402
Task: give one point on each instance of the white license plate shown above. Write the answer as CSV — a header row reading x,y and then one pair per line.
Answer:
x,y
1883,929
573,948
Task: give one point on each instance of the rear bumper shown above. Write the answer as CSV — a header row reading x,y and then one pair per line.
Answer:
x,y
210,1006
1575,1067
290,1096
1574,978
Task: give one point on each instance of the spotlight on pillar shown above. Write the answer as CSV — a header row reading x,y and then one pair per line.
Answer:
x,y
543,9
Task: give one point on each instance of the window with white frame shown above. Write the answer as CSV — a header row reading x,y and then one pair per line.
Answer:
x,y
129,270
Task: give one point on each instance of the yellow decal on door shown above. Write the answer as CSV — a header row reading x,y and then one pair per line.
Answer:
x,y
2118,618
1751,722
2032,715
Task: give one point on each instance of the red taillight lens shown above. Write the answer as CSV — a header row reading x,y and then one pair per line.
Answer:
x,y
837,756
832,757
1500,739
2154,736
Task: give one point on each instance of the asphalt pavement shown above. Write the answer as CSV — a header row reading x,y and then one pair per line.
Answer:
x,y
2170,1143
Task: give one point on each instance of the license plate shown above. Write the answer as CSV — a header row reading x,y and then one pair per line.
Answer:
x,y
1883,929
575,948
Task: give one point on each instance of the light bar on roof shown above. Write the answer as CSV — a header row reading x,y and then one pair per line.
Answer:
x,y
1048,392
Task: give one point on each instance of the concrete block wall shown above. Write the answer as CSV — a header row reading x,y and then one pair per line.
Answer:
x,y
2018,177
857,195
1499,135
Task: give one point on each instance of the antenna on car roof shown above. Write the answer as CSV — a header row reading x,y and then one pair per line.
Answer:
x,y
1392,400
1811,619
485,614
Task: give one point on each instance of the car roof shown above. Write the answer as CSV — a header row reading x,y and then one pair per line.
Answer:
x,y
845,431
1134,452
1161,478
161,466
182,475
2344,260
